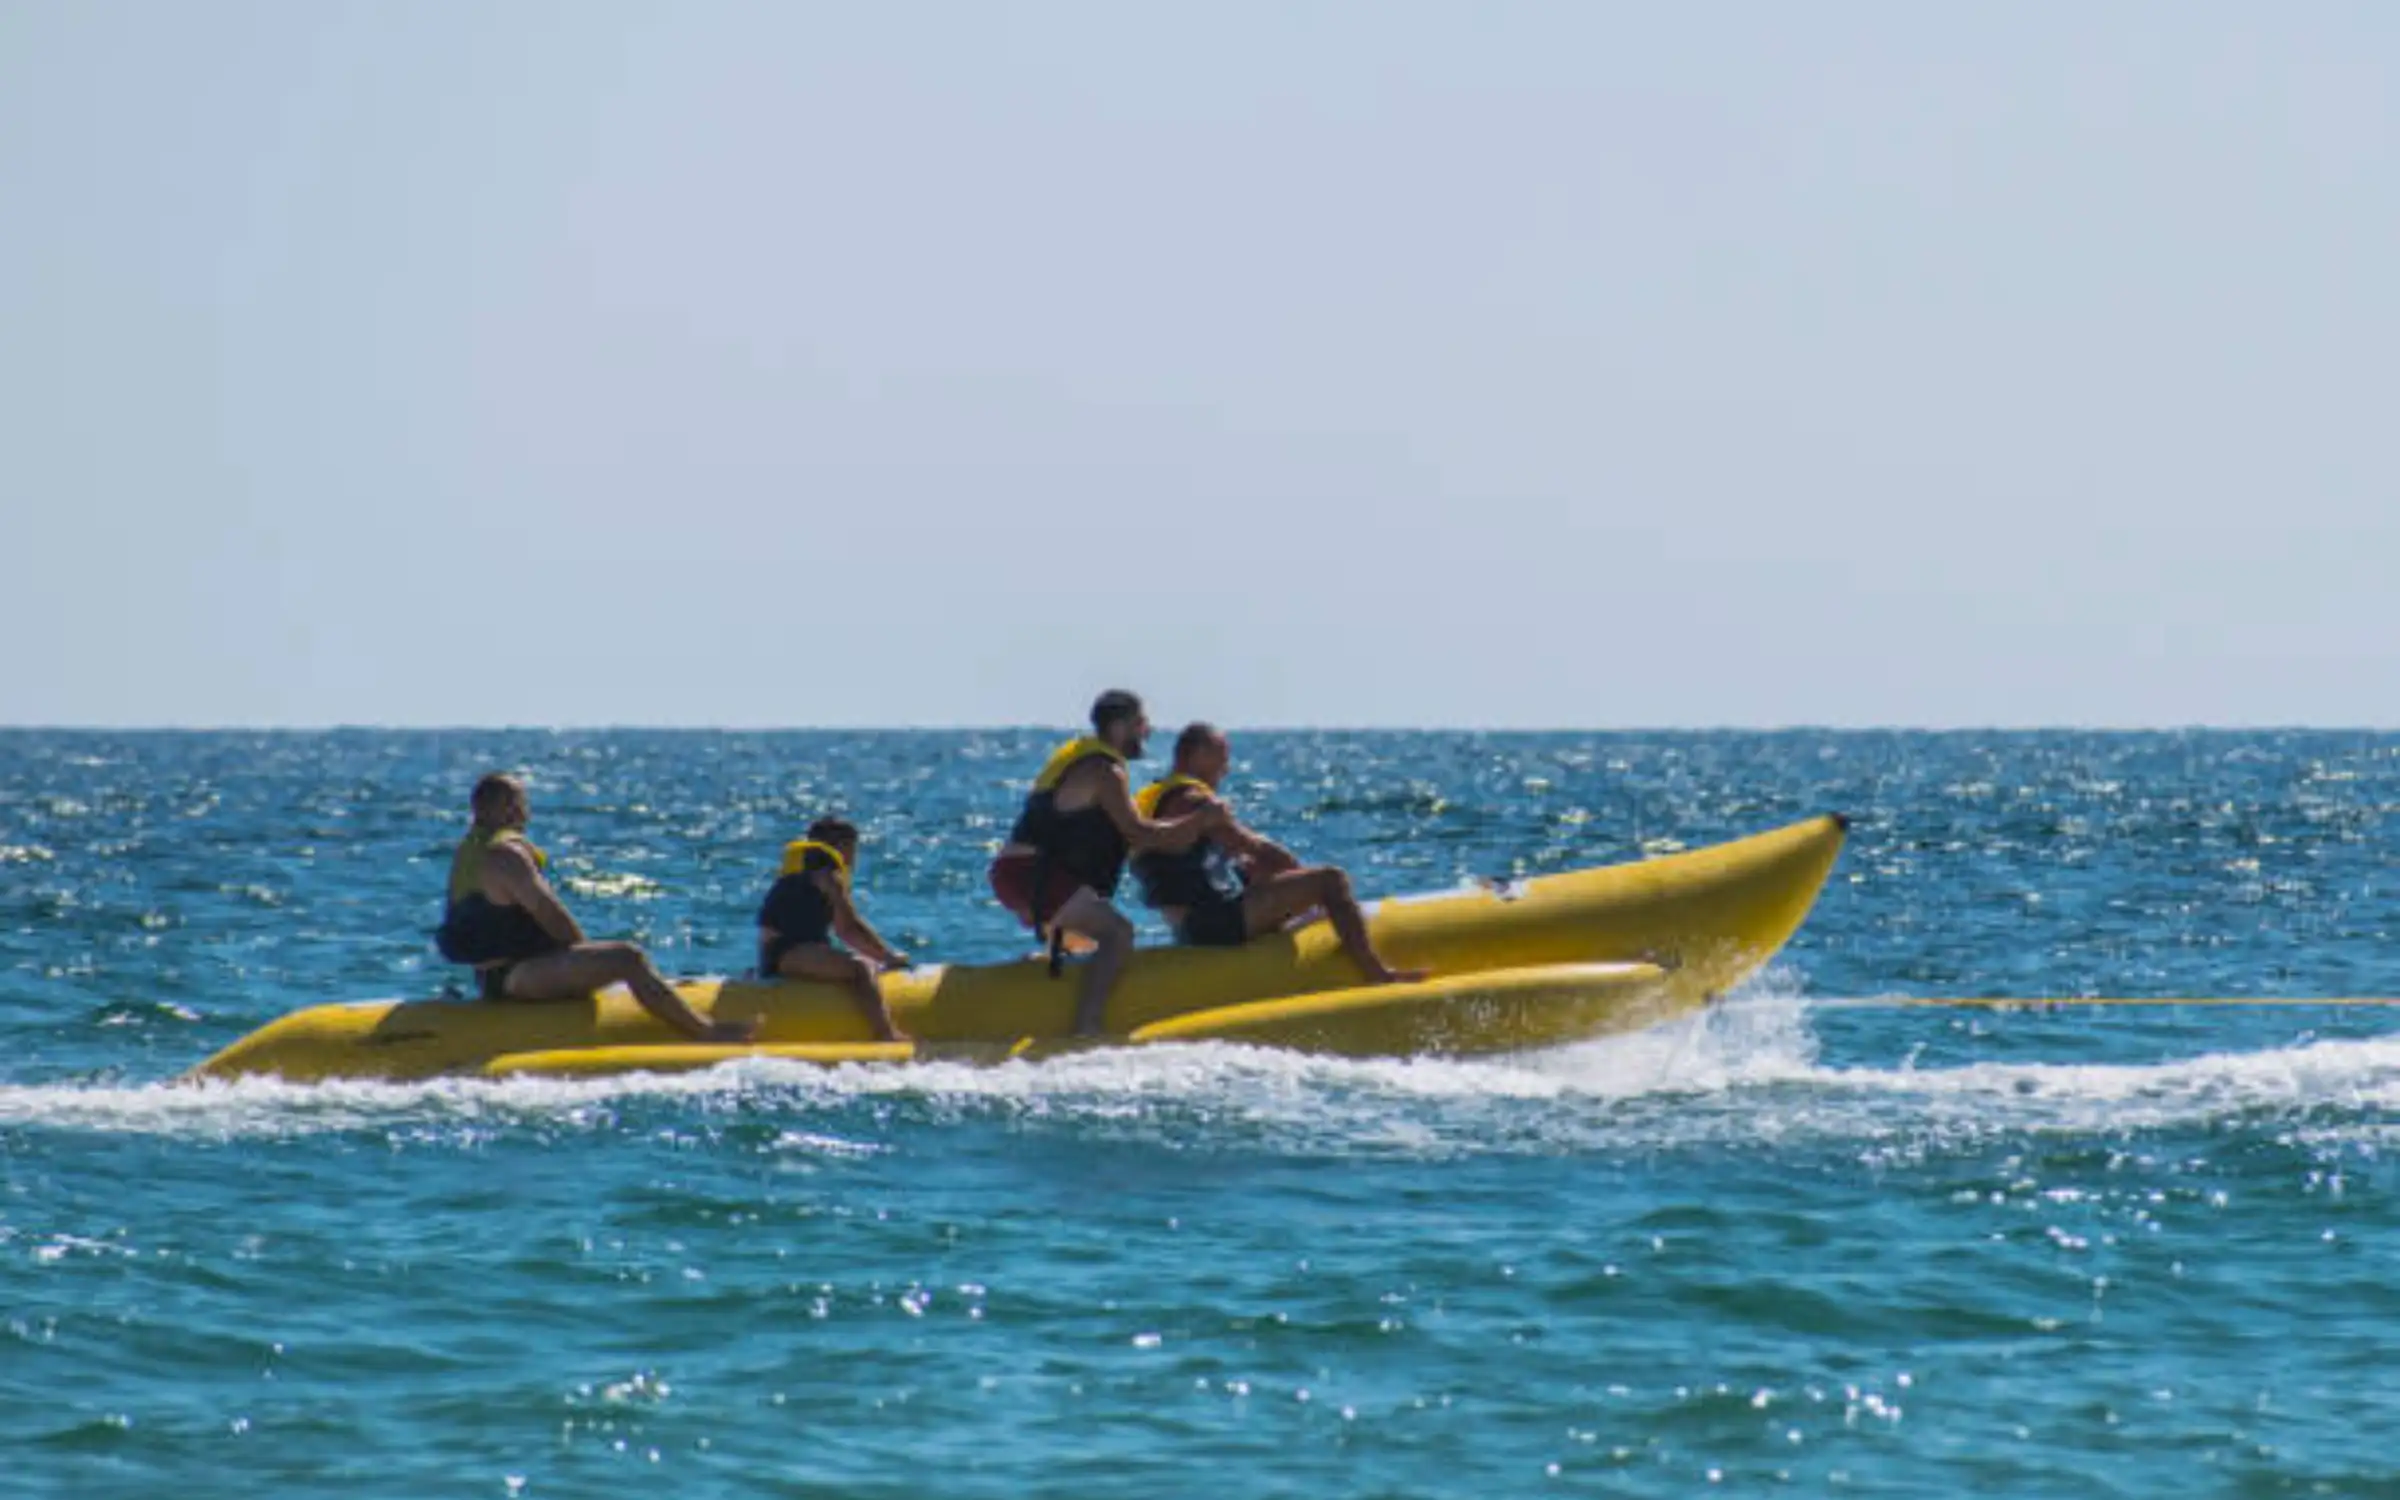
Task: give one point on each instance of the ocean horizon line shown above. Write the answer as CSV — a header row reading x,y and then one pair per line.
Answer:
x,y
1514,729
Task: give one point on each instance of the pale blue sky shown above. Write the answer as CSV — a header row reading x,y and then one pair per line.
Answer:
x,y
1394,363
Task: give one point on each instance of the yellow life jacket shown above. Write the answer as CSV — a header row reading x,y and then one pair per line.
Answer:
x,y
1070,755
466,866
1146,801
796,853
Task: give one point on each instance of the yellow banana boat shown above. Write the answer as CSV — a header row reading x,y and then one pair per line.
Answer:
x,y
1499,1010
1554,959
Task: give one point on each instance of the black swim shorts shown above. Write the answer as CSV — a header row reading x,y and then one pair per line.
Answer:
x,y
1214,924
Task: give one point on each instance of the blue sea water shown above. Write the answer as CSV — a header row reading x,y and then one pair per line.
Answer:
x,y
1802,1245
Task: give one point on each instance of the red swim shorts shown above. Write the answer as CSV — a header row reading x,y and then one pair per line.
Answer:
x,y
1012,882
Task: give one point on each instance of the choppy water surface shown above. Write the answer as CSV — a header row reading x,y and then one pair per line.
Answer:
x,y
1805,1244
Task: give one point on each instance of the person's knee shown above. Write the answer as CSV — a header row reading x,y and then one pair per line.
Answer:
x,y
1110,928
856,970
1330,883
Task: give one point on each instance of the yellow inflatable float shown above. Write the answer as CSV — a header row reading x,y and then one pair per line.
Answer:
x,y
1555,959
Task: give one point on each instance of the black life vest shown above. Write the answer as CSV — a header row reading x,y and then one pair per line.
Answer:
x,y
796,910
1085,843
1201,875
477,930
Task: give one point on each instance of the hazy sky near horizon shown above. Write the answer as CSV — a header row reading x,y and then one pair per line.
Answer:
x,y
598,362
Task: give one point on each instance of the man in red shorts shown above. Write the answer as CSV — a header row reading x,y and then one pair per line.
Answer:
x,y
1063,859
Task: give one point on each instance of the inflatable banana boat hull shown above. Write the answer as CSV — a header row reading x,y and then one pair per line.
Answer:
x,y
1680,930
1501,1010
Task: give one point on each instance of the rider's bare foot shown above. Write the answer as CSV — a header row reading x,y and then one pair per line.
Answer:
x,y
1402,976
